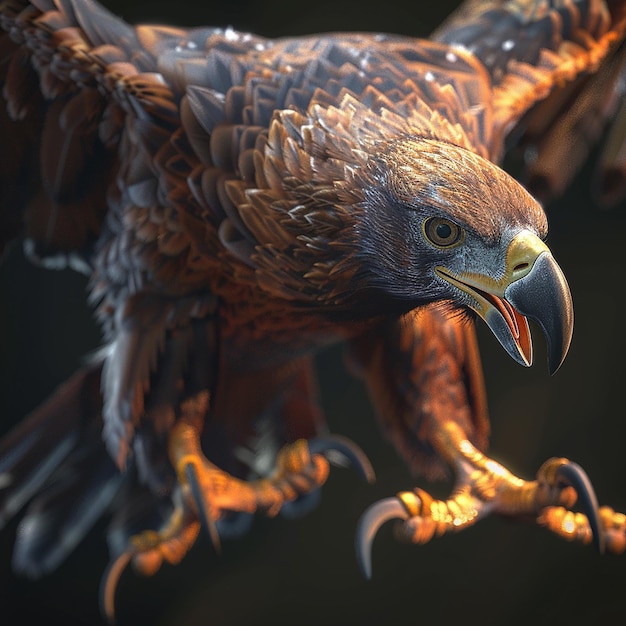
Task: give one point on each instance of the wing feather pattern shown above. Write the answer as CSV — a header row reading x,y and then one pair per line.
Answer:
x,y
189,168
556,70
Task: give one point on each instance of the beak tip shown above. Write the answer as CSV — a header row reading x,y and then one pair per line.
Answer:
x,y
554,363
544,296
553,370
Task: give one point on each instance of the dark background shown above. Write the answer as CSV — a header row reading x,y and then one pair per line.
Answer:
x,y
304,571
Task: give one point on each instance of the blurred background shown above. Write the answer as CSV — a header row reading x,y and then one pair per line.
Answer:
x,y
304,571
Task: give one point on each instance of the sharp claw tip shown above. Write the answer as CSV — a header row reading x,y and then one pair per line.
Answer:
x,y
369,524
108,585
217,545
205,519
347,448
574,475
363,546
366,569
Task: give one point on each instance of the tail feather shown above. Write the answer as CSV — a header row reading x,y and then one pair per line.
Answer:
x,y
56,466
36,447
75,497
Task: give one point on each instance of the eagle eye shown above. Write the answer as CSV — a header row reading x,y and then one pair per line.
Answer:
x,y
443,233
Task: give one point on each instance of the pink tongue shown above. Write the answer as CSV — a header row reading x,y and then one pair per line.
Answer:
x,y
516,322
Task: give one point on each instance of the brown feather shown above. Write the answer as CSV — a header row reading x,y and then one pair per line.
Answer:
x,y
242,202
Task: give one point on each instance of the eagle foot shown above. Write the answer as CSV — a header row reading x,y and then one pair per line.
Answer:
x,y
147,551
483,487
301,467
206,493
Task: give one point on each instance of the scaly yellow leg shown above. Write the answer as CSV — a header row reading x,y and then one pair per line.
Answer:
x,y
483,487
205,493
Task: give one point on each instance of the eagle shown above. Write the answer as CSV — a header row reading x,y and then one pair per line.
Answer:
x,y
240,203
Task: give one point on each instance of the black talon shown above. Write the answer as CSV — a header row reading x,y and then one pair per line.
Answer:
x,y
108,584
205,519
575,476
234,524
347,448
302,505
369,523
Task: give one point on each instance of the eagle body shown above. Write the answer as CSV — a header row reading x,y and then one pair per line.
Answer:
x,y
240,204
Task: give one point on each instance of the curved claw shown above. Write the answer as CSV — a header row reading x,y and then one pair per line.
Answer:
x,y
369,523
198,496
302,505
108,584
346,447
234,524
575,476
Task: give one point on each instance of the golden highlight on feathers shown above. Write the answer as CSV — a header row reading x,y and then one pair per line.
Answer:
x,y
240,203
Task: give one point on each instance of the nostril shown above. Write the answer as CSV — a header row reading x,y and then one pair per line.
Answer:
x,y
520,267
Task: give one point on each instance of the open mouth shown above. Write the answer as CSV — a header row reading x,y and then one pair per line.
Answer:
x,y
508,325
516,322
530,286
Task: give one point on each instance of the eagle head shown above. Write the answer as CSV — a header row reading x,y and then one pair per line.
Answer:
x,y
437,222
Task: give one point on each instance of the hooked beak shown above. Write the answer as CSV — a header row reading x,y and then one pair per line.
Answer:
x,y
531,286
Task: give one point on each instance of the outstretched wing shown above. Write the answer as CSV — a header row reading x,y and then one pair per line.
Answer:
x,y
556,70
70,73
155,158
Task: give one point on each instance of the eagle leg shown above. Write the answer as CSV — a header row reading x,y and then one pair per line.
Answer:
x,y
483,487
300,468
147,551
210,492
205,493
